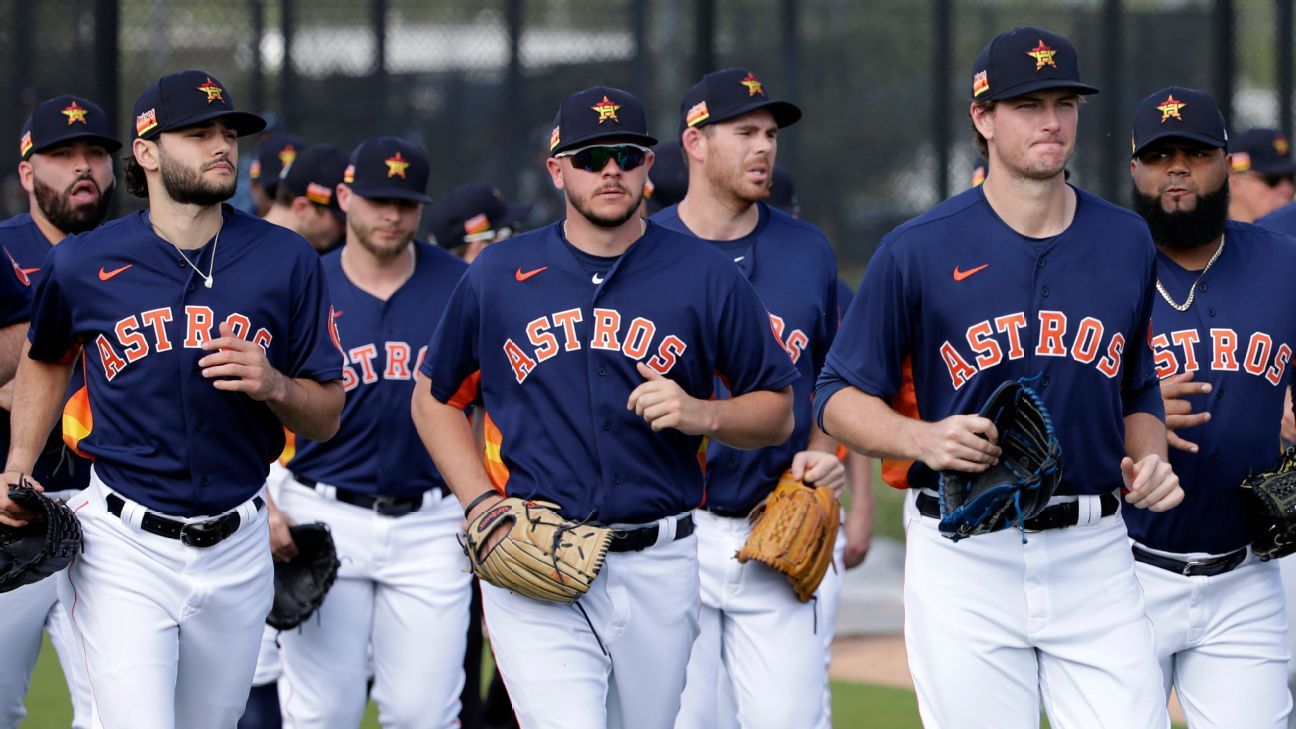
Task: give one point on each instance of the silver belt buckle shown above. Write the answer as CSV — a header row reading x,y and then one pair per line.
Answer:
x,y
382,502
1189,565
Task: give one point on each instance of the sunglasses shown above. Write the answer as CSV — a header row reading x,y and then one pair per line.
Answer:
x,y
595,158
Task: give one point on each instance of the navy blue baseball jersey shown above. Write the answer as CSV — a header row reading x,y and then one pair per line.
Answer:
x,y
25,247
962,302
844,298
15,299
157,430
553,356
1238,335
384,343
1282,220
792,267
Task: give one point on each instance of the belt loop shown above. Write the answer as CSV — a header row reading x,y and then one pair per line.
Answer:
x,y
665,531
1086,511
327,491
132,513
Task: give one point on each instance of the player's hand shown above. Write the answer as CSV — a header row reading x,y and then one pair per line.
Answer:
x,y
664,404
1288,419
964,443
12,514
498,534
820,469
245,364
1179,413
859,534
282,545
1151,483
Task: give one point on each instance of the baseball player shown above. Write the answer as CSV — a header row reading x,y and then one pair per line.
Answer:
x,y
305,199
67,171
1217,610
1260,174
275,154
1024,276
404,584
751,621
197,353
470,217
593,343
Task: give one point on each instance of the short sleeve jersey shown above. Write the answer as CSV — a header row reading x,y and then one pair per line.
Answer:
x,y
962,302
554,356
158,431
376,450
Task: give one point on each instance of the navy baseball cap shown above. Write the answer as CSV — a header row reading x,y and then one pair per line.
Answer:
x,y
1263,151
63,119
187,98
1023,60
1181,113
597,114
315,174
388,168
732,92
273,156
668,179
473,212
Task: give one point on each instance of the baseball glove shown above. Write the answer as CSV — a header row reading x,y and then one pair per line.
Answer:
x,y
1273,501
1020,485
44,546
543,556
793,531
301,583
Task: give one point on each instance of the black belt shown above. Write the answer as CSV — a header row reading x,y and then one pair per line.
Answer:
x,y
1192,567
634,540
1057,516
190,533
384,505
728,513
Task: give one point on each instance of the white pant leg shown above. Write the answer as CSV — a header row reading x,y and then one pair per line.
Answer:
x,y
1224,638
64,639
829,600
168,633
992,624
423,597
269,667
25,612
644,607
1287,567
708,687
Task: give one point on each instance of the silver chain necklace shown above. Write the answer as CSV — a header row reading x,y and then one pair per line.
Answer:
x,y
1192,291
208,278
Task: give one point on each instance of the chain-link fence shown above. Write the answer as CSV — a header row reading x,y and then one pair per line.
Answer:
x,y
884,83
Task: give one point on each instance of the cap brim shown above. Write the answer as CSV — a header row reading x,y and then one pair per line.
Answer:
x,y
1280,167
380,192
242,122
1172,134
1045,83
622,136
110,144
785,113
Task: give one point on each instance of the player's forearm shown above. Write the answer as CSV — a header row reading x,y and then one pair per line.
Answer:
x,y
310,409
859,474
447,436
38,397
868,425
820,441
1145,435
753,420
12,339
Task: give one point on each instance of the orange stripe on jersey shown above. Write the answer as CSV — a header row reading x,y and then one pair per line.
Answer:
x,y
467,392
905,402
494,460
290,447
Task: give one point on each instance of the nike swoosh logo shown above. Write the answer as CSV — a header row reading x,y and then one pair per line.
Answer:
x,y
597,279
960,275
29,271
524,275
105,275
739,259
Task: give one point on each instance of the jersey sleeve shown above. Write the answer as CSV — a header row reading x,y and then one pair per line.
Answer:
x,y
452,362
1141,390
876,332
51,333
316,346
15,298
749,356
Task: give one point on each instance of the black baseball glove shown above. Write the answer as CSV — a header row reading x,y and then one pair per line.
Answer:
x,y
44,546
302,582
1020,485
1273,501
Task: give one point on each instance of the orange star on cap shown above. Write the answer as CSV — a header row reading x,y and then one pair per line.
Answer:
x,y
214,92
753,84
396,166
1043,55
287,155
1170,108
75,113
607,109
1281,146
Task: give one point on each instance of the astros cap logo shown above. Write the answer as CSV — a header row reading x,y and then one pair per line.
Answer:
x,y
349,175
554,138
75,113
214,92
698,114
1280,145
753,85
396,166
1043,55
607,109
25,144
145,121
1170,109
287,156
478,223
980,83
